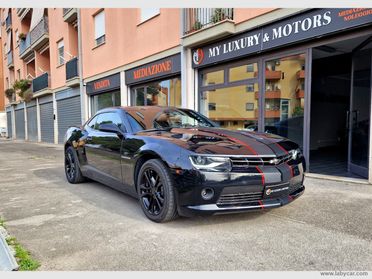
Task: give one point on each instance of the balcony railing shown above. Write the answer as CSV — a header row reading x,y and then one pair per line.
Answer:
x,y
24,44
199,18
66,10
40,83
72,69
69,14
20,11
8,21
10,58
40,31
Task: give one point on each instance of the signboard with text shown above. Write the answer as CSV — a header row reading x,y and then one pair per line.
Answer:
x,y
104,84
302,27
158,69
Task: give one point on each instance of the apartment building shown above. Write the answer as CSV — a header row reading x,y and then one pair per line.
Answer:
x,y
301,73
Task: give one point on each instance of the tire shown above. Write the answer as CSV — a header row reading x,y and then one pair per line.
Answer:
x,y
72,168
155,188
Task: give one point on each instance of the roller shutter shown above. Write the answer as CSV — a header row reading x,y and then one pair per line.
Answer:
x,y
32,123
9,124
20,124
47,122
69,114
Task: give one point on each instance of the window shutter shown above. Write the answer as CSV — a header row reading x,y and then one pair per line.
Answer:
x,y
99,25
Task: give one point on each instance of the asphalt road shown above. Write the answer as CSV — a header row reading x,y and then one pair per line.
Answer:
x,y
93,227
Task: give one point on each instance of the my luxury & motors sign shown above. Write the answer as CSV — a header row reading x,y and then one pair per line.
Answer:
x,y
309,25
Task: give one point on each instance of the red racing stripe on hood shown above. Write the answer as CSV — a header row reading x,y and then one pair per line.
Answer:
x,y
262,175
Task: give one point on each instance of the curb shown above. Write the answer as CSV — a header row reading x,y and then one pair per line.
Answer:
x,y
7,259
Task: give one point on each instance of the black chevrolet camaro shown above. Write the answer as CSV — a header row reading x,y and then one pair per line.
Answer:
x,y
178,162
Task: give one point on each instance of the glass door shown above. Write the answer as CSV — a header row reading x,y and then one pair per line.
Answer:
x,y
359,115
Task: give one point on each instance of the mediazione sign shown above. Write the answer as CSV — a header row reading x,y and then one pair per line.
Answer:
x,y
302,27
158,69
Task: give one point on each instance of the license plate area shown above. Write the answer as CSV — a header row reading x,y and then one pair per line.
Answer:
x,y
275,191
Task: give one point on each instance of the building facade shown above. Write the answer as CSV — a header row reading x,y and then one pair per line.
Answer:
x,y
301,73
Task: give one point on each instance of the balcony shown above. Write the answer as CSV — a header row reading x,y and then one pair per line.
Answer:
x,y
72,73
214,22
25,47
40,34
23,12
10,60
41,84
300,93
8,22
269,113
271,94
300,74
69,14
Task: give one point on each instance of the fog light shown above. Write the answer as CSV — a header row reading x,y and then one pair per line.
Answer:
x,y
207,193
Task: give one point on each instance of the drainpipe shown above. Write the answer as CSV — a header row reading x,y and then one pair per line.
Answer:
x,y
80,60
183,63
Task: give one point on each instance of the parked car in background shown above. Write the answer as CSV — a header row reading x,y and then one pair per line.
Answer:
x,y
177,162
3,132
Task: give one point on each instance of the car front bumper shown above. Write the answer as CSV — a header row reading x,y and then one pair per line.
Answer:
x,y
213,209
256,189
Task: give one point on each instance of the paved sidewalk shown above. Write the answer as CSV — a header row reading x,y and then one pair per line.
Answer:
x,y
92,227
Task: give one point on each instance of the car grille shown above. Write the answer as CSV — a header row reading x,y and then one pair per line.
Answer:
x,y
246,162
240,198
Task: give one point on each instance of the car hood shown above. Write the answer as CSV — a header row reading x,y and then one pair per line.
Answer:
x,y
223,142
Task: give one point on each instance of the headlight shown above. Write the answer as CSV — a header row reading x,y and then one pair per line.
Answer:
x,y
209,163
295,154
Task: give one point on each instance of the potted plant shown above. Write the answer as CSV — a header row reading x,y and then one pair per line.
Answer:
x,y
218,15
9,93
23,88
22,36
197,25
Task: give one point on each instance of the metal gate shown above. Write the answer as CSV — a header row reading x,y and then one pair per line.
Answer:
x,y
20,122
46,119
9,124
32,121
69,114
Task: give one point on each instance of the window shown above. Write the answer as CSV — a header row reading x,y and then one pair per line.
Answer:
x,y
61,51
212,106
109,118
243,72
212,78
104,100
92,123
250,87
249,106
136,126
148,13
99,28
163,93
19,74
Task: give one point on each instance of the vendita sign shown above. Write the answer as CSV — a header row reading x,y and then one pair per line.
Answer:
x,y
302,27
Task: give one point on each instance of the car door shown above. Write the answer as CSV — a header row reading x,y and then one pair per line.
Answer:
x,y
103,148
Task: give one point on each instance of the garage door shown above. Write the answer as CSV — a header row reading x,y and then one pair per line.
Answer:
x,y
69,114
9,124
20,123
46,120
32,122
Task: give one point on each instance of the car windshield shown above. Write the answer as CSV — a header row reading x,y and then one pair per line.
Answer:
x,y
147,118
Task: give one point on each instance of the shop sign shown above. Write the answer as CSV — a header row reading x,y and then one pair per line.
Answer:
x,y
306,26
157,69
104,84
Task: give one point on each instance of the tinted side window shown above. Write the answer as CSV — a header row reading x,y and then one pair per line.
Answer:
x,y
110,117
91,124
136,126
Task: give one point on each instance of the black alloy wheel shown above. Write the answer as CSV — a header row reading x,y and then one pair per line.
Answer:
x,y
72,169
155,191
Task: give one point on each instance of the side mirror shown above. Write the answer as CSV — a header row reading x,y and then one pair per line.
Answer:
x,y
110,128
